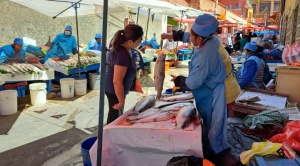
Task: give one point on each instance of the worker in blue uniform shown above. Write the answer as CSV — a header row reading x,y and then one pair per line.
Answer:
x,y
63,44
206,81
96,44
251,75
13,52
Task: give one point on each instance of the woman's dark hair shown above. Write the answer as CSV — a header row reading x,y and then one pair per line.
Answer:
x,y
130,32
260,48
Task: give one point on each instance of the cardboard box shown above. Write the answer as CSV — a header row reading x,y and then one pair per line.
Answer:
x,y
288,82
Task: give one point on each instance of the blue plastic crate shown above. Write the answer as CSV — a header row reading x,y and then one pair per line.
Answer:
x,y
264,161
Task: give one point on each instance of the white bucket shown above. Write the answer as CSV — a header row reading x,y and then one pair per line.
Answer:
x,y
94,81
8,102
38,93
67,87
80,86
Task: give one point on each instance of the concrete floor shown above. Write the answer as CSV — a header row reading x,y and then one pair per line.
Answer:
x,y
51,134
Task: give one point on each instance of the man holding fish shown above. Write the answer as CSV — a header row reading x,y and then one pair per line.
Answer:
x,y
206,78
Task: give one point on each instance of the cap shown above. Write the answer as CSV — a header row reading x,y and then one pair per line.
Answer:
x,y
205,25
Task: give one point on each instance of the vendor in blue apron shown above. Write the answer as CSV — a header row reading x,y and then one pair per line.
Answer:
x,y
206,81
251,75
63,44
96,43
13,52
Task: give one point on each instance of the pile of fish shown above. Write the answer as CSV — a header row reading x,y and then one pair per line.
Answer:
x,y
84,60
21,68
151,110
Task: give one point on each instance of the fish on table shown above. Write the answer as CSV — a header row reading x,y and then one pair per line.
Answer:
x,y
143,104
160,103
183,96
159,74
185,115
161,116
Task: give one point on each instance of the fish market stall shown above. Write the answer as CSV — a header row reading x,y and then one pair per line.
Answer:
x,y
152,132
19,72
68,68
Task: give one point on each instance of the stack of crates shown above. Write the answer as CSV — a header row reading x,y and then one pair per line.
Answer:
x,y
19,86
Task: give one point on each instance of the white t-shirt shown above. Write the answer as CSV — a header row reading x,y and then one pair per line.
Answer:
x,y
169,45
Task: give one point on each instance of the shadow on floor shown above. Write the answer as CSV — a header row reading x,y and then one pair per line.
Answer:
x,y
37,152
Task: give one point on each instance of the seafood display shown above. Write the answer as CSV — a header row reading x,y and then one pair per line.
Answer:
x,y
21,68
73,60
159,74
145,103
183,96
150,110
185,115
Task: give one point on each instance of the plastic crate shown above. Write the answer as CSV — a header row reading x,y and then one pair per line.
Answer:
x,y
59,76
20,90
262,161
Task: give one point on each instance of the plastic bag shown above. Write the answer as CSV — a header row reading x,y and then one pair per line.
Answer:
x,y
291,54
290,135
260,148
138,86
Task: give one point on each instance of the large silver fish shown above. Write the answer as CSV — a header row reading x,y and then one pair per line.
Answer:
x,y
185,115
175,107
161,116
159,74
160,104
183,96
146,113
145,103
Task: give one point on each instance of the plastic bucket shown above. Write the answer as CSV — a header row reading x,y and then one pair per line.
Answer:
x,y
8,102
67,87
85,147
80,86
38,93
94,81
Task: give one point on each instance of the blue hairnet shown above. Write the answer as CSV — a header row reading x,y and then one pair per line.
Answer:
x,y
98,36
18,41
265,39
205,25
252,46
68,28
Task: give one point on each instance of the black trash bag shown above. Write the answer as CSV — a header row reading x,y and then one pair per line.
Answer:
x,y
185,161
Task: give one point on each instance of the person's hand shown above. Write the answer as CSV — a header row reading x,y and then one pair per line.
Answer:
x,y
118,106
166,36
173,77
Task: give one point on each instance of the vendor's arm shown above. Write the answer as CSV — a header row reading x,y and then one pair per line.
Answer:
x,y
181,36
3,56
248,74
23,55
119,73
74,45
56,39
199,71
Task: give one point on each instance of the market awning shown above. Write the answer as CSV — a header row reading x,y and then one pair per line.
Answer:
x,y
192,20
91,7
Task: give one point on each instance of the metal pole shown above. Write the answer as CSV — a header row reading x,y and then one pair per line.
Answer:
x,y
102,82
147,24
137,16
79,63
216,7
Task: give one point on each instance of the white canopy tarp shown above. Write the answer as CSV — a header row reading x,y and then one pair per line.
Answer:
x,y
91,7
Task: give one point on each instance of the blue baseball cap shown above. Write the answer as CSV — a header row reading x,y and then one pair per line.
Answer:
x,y
98,36
252,46
205,25
18,41
68,28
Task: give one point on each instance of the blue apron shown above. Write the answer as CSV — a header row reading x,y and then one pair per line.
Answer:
x,y
206,81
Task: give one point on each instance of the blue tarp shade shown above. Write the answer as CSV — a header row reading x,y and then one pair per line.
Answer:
x,y
272,32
